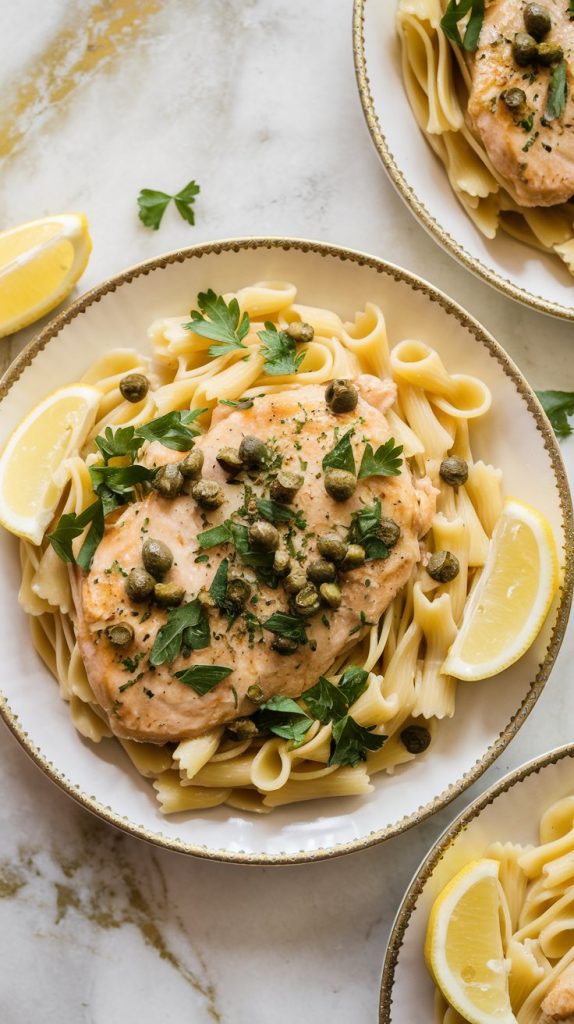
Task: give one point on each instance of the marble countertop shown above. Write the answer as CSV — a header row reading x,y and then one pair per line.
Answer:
x,y
257,101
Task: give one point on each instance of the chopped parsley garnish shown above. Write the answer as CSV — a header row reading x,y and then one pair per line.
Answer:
x,y
131,682
131,664
261,561
289,626
527,123
341,456
214,536
557,92
71,526
218,588
283,717
153,204
186,626
276,513
120,480
364,530
202,678
117,443
325,702
386,461
279,351
242,403
219,321
454,13
174,430
351,742
558,405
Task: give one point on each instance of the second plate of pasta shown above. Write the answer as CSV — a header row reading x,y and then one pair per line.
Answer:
x,y
311,465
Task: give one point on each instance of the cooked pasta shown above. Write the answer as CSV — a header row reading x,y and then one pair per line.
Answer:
x,y
400,656
438,83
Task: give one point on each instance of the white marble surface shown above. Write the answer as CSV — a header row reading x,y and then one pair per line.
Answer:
x,y
256,100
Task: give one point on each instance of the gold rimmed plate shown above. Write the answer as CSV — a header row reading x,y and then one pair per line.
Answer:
x,y
519,271
509,811
488,714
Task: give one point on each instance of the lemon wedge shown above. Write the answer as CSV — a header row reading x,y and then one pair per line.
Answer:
x,y
30,465
463,947
511,600
40,263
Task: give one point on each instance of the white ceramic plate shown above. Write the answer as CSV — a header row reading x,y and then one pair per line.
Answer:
x,y
509,811
516,436
517,270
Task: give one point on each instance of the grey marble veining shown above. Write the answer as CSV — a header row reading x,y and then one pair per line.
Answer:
x,y
257,101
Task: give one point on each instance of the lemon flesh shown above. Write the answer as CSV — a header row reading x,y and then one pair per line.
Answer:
x,y
507,609
463,946
32,461
39,264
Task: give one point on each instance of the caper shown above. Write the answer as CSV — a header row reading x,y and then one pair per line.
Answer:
x,y
255,693
120,634
415,738
321,571
208,494
443,566
524,49
295,581
284,645
168,481
156,557
388,531
354,558
285,486
139,585
263,536
300,331
330,594
134,387
341,396
537,20
332,547
454,471
306,602
242,728
549,53
281,562
230,460
513,98
253,452
191,467
340,484
168,595
238,592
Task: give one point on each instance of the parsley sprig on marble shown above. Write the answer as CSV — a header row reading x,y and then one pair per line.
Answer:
x,y
153,204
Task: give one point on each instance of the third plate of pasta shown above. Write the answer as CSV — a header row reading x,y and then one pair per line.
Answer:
x,y
470,108
280,579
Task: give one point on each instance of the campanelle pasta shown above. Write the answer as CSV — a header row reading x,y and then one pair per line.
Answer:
x,y
403,652
437,83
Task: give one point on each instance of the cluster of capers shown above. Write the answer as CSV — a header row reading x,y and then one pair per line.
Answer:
x,y
252,454
184,477
147,583
341,396
528,47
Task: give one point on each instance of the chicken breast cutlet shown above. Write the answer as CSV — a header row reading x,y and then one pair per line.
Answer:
x,y
228,626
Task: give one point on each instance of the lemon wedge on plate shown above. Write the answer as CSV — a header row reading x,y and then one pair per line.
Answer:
x,y
30,481
40,263
463,947
511,600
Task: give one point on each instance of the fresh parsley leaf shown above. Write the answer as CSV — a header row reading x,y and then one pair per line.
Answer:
x,y
202,678
364,529
168,642
454,13
557,92
174,430
351,742
386,461
242,403
218,588
120,480
71,526
197,637
279,350
214,536
118,443
324,701
341,456
220,322
283,717
558,405
275,513
153,204
353,683
288,626
93,537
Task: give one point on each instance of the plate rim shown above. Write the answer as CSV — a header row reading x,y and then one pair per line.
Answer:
x,y
468,322
416,205
433,855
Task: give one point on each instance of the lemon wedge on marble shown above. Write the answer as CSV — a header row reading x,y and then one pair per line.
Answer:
x,y
31,463
506,610
40,263
463,947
